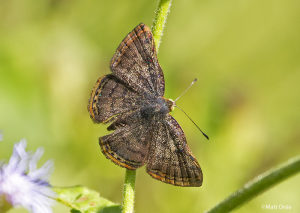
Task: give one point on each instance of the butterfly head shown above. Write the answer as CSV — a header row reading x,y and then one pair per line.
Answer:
x,y
171,104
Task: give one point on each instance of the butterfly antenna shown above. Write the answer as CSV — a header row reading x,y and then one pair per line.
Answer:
x,y
205,135
186,90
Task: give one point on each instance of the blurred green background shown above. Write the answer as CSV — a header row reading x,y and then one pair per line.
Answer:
x,y
245,54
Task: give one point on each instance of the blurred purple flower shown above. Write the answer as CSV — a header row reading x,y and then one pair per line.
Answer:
x,y
22,184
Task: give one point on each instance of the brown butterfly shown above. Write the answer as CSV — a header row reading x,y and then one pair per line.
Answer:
x,y
131,100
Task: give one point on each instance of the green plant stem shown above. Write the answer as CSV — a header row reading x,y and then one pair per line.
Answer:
x,y
160,19
128,193
159,22
258,185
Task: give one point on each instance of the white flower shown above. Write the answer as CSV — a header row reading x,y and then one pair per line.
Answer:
x,y
22,184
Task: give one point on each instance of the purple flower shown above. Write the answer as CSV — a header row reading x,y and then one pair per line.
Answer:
x,y
22,184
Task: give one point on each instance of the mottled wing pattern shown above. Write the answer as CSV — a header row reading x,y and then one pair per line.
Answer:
x,y
170,159
110,97
135,62
130,99
128,145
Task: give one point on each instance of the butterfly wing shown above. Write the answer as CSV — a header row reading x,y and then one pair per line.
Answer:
x,y
135,62
111,97
128,145
170,159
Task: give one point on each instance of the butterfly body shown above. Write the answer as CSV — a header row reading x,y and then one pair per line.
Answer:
x,y
159,107
131,101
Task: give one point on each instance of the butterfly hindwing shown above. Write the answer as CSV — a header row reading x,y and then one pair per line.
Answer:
x,y
170,159
135,62
128,145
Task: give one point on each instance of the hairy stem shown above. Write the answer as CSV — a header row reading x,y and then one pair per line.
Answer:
x,y
128,193
159,22
160,19
258,185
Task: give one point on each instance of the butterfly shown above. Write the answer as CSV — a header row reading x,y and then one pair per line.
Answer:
x,y
131,100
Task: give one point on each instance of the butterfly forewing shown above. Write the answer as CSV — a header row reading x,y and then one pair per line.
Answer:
x,y
135,62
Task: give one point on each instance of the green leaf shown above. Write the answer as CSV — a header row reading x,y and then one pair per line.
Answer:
x,y
84,200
